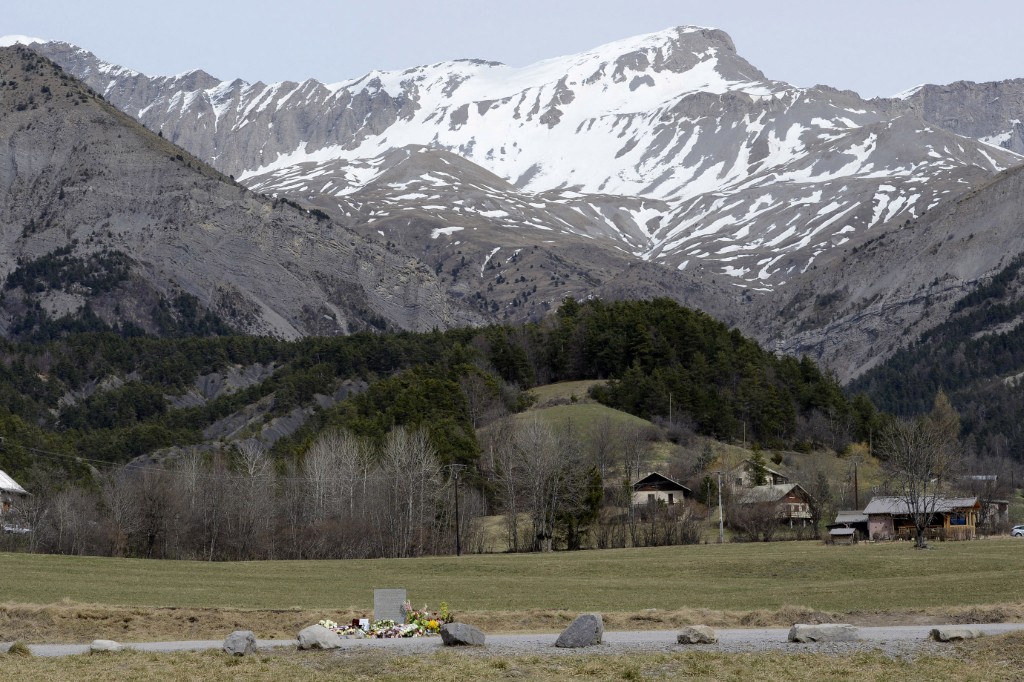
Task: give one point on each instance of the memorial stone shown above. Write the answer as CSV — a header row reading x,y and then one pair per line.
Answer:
x,y
387,605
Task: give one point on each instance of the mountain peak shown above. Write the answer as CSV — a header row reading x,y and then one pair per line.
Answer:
x,y
674,50
686,38
12,40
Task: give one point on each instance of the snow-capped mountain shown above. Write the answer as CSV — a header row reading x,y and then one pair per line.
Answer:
x,y
668,148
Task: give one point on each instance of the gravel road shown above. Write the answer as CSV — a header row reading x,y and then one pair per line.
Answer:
x,y
897,641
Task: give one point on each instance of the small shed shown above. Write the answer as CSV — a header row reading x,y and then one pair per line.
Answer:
x,y
654,488
842,536
856,521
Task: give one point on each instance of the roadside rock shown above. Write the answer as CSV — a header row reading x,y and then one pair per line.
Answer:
x,y
586,630
318,637
240,643
104,645
461,634
952,633
697,634
828,632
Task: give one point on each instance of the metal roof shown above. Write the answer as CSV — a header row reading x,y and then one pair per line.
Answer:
x,y
898,505
9,485
847,516
842,531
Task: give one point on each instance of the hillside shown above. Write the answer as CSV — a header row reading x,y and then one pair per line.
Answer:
x,y
107,225
109,398
866,300
976,356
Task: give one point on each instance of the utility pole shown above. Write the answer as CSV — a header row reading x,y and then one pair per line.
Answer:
x,y
856,493
454,470
721,517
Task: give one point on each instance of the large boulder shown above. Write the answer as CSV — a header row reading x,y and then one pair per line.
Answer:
x,y
461,634
951,633
826,632
697,634
318,637
240,643
586,630
104,645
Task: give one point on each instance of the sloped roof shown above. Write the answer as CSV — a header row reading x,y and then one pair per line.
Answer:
x,y
898,505
848,516
766,493
842,532
9,485
656,481
747,464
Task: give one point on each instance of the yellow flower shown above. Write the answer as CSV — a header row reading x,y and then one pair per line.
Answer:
x,y
433,625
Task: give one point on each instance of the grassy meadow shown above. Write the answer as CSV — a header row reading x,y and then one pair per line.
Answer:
x,y
77,599
732,577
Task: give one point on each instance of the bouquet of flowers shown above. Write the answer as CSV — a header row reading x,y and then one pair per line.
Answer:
x,y
417,623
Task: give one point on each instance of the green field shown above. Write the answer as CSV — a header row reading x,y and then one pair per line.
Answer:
x,y
743,577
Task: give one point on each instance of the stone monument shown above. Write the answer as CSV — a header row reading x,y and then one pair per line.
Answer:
x,y
387,605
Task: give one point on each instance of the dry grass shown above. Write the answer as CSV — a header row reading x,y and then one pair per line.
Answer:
x,y
79,623
992,659
563,392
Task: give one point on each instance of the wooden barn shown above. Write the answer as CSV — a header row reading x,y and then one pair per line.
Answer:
x,y
954,518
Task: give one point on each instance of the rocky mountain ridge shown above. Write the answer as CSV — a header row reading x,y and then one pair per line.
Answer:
x,y
669,148
106,223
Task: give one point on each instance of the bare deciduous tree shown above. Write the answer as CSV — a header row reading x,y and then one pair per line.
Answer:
x,y
921,455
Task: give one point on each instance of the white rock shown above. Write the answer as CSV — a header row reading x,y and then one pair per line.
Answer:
x,y
240,643
951,633
318,637
826,632
99,645
697,634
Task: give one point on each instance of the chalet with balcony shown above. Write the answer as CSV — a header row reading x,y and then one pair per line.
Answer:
x,y
655,488
789,501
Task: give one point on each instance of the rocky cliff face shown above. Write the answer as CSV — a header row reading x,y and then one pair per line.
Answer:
x,y
991,112
103,219
864,301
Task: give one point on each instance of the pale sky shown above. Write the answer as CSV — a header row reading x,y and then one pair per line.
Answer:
x,y
876,47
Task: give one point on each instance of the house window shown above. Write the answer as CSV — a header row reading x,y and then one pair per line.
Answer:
x,y
671,500
650,498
